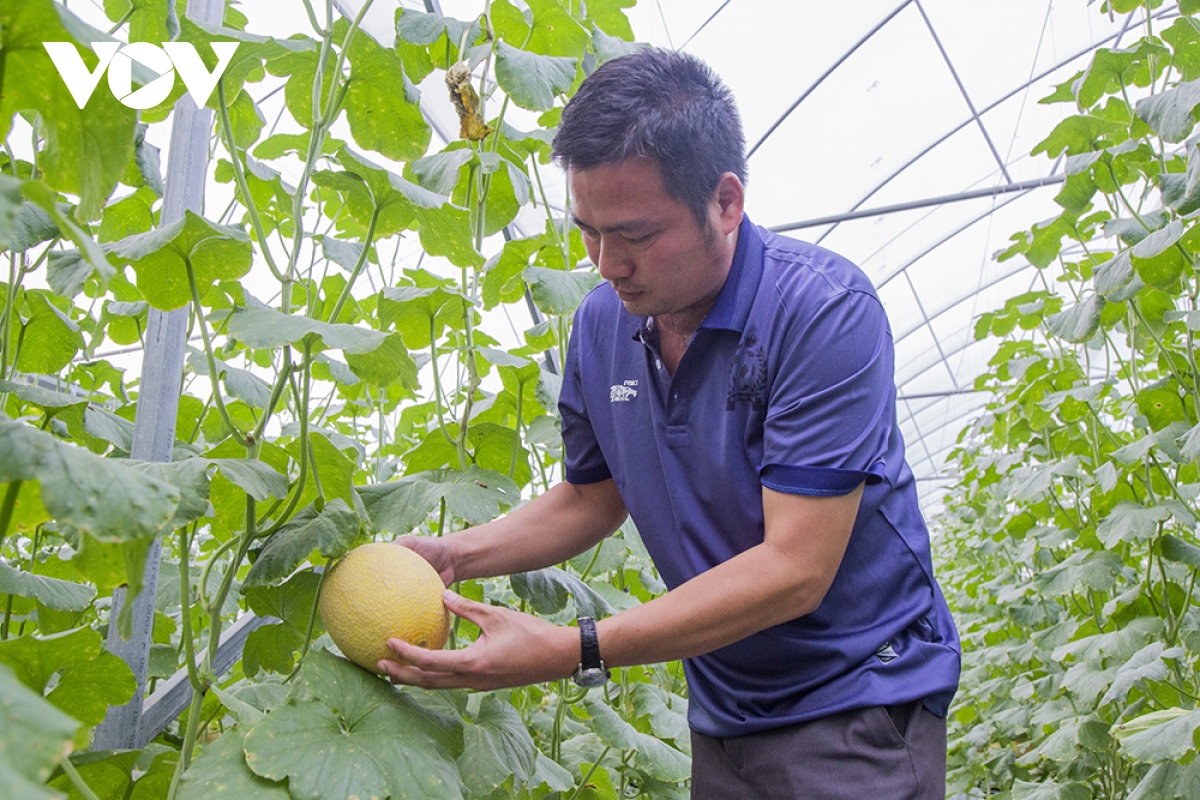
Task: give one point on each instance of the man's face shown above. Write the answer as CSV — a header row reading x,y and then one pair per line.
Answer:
x,y
647,244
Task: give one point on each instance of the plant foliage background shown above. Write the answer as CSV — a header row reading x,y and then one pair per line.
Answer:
x,y
1069,549
335,394
353,398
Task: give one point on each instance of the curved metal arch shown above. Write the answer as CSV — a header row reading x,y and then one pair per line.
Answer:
x,y
1045,73
832,68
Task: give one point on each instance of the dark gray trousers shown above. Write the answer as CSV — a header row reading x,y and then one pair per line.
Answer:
x,y
889,753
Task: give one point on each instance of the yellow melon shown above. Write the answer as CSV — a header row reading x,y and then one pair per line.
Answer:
x,y
380,591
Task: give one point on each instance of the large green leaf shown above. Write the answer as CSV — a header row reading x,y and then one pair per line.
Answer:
x,y
160,258
533,81
274,646
220,771
496,746
86,150
1159,736
1169,113
421,315
381,115
91,679
547,591
1050,790
345,733
657,759
101,496
53,593
330,530
557,291
1169,782
369,189
51,338
34,738
262,327
474,495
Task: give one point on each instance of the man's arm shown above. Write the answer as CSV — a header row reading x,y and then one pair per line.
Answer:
x,y
781,579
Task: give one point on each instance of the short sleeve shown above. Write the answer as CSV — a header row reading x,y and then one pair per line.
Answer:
x,y
583,462
831,404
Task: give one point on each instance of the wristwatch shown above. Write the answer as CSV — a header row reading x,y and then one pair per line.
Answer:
x,y
591,671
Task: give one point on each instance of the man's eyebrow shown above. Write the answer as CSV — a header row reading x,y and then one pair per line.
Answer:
x,y
634,225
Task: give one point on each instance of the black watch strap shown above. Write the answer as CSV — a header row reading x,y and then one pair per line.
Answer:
x,y
589,644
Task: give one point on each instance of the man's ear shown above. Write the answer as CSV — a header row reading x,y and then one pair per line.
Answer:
x,y
730,197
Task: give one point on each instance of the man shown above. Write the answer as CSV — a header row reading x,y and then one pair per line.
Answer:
x,y
731,390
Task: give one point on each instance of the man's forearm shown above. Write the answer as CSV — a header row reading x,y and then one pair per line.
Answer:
x,y
549,529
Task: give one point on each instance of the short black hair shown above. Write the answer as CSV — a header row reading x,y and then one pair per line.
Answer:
x,y
663,105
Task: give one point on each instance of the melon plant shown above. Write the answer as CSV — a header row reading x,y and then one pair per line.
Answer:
x,y
351,376
1069,549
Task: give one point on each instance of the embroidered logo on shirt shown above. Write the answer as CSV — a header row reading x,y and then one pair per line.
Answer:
x,y
619,393
887,653
748,378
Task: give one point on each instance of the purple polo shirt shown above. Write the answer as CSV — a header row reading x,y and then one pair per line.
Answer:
x,y
787,384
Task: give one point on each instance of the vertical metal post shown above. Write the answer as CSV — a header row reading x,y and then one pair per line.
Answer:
x,y
158,394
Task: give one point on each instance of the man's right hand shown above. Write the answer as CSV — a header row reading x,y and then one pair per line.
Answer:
x,y
435,550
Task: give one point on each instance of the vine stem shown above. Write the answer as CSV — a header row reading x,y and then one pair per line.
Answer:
x,y
6,509
185,606
362,260
77,780
213,375
244,187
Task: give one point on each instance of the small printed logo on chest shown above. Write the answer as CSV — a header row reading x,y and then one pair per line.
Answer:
x,y
748,378
623,393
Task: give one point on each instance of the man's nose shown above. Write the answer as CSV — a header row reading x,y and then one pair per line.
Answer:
x,y
612,260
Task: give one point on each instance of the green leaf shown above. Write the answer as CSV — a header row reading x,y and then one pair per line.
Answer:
x,y
86,149
220,771
474,495
1169,782
1050,790
657,759
86,690
100,496
53,593
345,733
1130,522
1096,570
35,737
609,17
609,47
547,591
159,257
533,81
1179,551
51,338
330,530
274,647
1162,407
1167,735
264,328
256,478
381,117
1080,322
421,315
559,292
43,398
1169,113
1080,134
495,747
1146,664
386,365
25,224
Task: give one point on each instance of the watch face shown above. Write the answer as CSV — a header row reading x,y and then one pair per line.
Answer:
x,y
591,677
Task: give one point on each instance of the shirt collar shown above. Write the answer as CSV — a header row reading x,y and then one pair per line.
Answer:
x,y
732,308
